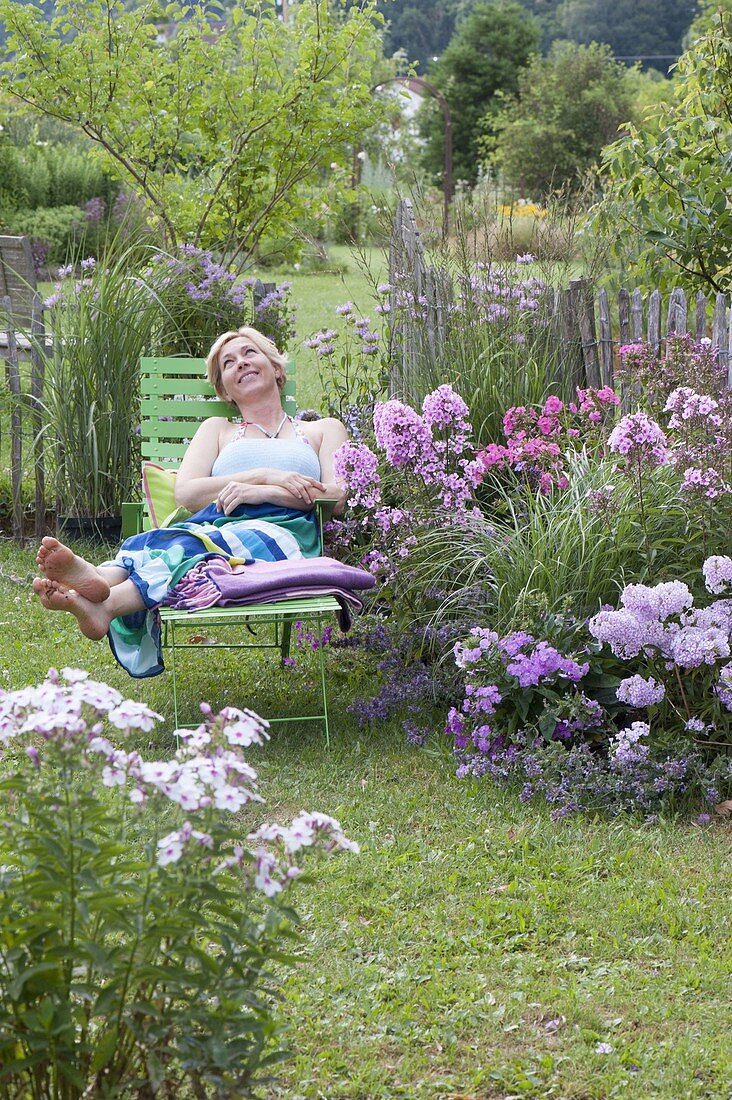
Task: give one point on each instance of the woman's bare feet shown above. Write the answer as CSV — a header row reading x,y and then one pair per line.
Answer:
x,y
61,564
93,618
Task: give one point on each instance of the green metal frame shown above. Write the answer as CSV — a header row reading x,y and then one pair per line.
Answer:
x,y
175,398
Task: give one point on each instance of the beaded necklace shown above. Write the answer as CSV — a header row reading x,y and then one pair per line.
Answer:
x,y
270,435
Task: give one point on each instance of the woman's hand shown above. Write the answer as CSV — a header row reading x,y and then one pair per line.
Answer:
x,y
302,487
235,493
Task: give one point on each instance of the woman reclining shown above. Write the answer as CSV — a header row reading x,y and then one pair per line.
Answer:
x,y
251,485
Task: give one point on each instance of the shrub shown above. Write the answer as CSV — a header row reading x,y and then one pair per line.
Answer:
x,y
59,227
140,917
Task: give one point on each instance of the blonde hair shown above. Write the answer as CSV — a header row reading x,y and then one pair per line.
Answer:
x,y
260,341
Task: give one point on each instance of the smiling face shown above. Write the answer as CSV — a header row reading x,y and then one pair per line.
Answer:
x,y
245,368
243,362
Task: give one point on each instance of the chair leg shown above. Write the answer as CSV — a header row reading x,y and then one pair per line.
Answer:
x,y
286,638
323,686
175,679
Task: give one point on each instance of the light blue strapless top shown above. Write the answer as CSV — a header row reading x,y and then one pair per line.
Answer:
x,y
281,454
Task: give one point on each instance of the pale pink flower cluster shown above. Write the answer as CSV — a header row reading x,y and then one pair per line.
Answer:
x,y
640,440
208,774
717,572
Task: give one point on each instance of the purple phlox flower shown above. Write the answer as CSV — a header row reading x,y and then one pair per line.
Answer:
x,y
638,692
358,466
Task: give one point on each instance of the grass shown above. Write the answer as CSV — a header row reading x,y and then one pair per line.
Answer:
x,y
474,948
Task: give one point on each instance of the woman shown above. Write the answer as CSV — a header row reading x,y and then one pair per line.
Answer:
x,y
251,486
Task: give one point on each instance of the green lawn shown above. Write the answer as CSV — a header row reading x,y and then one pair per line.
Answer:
x,y
474,948
316,294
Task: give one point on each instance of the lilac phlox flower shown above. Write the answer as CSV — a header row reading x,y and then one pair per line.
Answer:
x,y
626,633
625,747
717,571
638,692
659,601
444,408
345,309
696,725
525,258
640,439
693,646
358,466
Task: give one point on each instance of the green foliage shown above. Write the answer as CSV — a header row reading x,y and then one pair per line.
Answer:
x,y
60,227
40,174
670,176
568,107
484,57
218,142
631,28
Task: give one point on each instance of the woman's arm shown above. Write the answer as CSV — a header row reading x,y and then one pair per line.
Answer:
x,y
334,434
195,488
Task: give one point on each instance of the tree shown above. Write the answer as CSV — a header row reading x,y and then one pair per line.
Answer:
x,y
670,179
217,129
568,107
632,28
484,57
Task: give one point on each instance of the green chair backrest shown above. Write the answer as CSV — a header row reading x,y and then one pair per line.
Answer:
x,y
176,397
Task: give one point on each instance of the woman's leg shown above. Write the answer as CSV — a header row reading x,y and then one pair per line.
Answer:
x,y
92,616
60,564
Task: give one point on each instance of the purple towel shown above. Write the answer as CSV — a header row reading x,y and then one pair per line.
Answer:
x,y
215,581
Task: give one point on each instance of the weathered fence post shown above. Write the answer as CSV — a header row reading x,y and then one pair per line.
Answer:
x,y
12,373
37,340
606,339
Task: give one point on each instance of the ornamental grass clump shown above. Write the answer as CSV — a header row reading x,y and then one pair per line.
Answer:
x,y
142,909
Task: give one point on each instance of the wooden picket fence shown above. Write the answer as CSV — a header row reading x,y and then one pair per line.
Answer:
x,y
21,341
583,333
